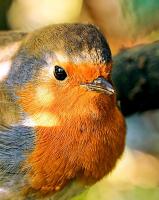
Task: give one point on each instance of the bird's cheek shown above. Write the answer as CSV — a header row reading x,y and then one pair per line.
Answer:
x,y
74,104
37,102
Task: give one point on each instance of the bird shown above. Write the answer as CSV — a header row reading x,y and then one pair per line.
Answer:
x,y
60,126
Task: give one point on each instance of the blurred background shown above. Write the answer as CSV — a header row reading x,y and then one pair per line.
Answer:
x,y
125,24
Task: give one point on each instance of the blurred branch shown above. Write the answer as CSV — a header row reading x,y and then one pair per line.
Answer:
x,y
136,77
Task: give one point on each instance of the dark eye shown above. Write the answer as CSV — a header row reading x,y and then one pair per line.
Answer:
x,y
60,73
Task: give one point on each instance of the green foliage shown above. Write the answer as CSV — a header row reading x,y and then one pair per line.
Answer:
x,y
141,13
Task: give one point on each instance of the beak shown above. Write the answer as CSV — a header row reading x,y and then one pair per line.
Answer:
x,y
100,85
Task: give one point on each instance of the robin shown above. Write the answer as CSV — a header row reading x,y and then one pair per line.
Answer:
x,y
60,127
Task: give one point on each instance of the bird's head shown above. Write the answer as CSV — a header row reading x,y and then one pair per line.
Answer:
x,y
63,84
63,71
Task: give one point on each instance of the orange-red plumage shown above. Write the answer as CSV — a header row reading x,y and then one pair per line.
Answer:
x,y
77,142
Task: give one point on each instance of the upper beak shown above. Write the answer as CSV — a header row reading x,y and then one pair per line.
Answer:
x,y
100,85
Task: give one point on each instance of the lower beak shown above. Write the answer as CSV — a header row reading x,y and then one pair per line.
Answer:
x,y
100,85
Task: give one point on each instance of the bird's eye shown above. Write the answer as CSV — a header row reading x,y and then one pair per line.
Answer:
x,y
59,73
